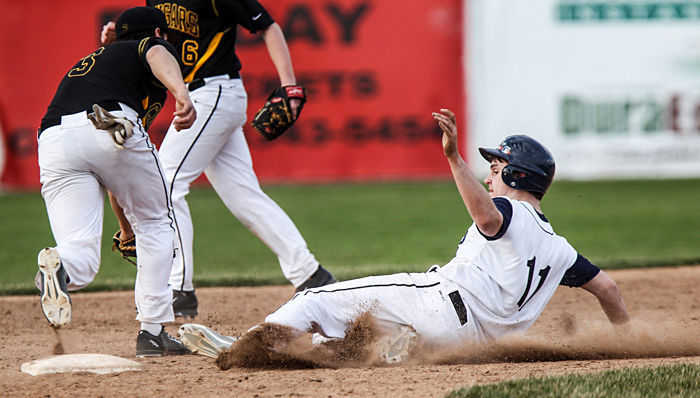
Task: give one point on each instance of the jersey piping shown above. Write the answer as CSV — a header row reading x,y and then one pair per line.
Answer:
x,y
537,219
199,134
154,153
319,291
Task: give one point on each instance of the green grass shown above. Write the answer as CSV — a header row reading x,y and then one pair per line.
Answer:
x,y
364,229
654,382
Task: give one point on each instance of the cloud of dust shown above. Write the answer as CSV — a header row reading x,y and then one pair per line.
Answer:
x,y
595,340
271,346
275,346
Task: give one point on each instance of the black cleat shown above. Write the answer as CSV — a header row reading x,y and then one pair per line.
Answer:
x,y
148,345
184,304
319,278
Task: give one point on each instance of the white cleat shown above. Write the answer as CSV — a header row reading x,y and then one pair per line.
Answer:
x,y
396,347
204,341
318,339
55,300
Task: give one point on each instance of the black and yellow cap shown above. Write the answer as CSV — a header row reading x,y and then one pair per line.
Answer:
x,y
140,19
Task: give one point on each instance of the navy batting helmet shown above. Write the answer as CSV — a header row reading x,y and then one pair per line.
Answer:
x,y
524,156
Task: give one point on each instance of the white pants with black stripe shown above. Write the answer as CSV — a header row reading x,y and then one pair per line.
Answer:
x,y
216,145
423,301
77,162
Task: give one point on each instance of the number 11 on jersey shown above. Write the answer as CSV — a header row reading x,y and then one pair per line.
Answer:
x,y
531,272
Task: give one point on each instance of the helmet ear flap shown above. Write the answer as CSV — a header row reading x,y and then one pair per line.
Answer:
x,y
508,174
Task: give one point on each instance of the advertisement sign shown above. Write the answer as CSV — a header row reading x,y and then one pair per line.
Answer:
x,y
374,71
611,87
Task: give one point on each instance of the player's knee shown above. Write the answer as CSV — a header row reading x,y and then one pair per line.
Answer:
x,y
81,263
295,313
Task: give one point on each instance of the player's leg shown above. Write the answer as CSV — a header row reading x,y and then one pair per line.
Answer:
x,y
136,179
74,204
406,308
403,306
232,176
184,155
398,299
75,208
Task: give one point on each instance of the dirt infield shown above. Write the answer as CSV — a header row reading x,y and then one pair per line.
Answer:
x,y
571,336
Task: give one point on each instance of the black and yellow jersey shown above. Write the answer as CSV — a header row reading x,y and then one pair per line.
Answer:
x,y
112,74
205,32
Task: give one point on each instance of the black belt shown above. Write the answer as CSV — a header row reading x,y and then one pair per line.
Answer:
x,y
460,308
199,82
109,106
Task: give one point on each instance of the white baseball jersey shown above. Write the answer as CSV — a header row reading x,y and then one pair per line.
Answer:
x,y
507,280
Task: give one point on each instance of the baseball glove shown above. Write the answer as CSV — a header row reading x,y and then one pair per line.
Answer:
x,y
127,247
119,128
276,116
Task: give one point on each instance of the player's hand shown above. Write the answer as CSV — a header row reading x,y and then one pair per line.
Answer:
x,y
448,124
108,35
185,114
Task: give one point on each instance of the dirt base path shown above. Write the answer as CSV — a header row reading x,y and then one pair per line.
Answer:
x,y
571,336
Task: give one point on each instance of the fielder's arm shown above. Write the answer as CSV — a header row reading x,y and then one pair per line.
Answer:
x,y
609,297
477,200
124,225
166,69
279,54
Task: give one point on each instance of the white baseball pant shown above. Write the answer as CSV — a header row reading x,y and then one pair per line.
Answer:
x,y
77,162
216,145
424,301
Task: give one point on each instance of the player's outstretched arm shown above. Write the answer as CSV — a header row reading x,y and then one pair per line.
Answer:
x,y
167,70
609,297
478,202
279,54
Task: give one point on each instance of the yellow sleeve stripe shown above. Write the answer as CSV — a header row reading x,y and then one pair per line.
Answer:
x,y
142,44
144,102
210,50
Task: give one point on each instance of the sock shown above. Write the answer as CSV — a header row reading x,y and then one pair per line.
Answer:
x,y
152,328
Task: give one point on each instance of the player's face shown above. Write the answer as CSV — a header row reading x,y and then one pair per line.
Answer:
x,y
494,180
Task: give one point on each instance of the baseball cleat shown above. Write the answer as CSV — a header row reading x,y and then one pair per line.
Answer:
x,y
185,304
396,347
204,341
148,345
55,300
317,339
321,277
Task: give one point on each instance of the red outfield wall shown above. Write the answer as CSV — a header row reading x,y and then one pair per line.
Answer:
x,y
374,70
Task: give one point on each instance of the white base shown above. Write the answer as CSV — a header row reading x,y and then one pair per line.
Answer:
x,y
93,363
